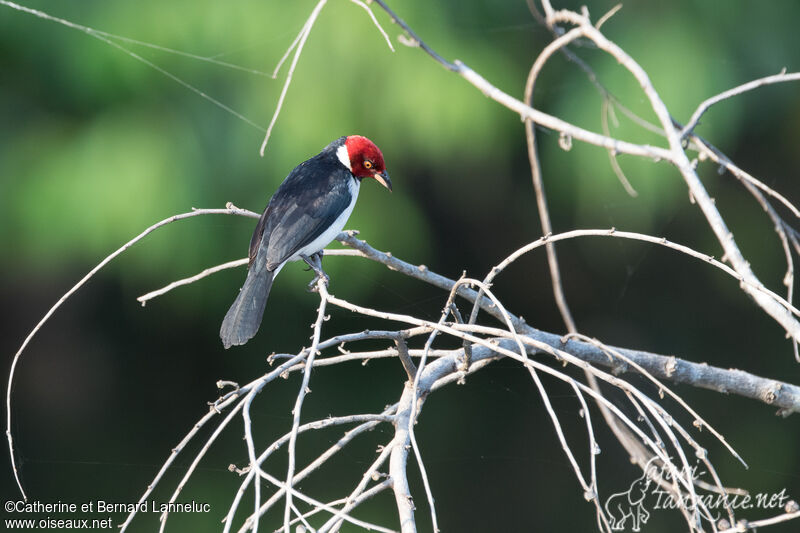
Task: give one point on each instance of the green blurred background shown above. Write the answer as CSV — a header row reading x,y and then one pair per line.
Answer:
x,y
95,146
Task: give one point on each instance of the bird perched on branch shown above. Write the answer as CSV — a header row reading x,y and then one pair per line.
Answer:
x,y
305,214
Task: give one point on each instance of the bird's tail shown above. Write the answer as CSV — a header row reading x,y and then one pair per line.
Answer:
x,y
244,317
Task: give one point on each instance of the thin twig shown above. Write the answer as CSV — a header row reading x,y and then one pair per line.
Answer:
x,y
316,503
414,37
298,44
314,465
679,159
369,474
301,394
250,390
401,438
215,410
705,148
366,495
186,281
782,77
368,422
230,210
752,526
669,368
605,110
405,358
538,183
375,21
674,154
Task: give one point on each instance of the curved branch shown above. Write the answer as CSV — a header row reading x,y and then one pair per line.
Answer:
x,y
782,77
679,159
674,154
669,368
230,209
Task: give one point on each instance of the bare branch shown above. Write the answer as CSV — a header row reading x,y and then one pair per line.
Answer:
x,y
705,149
368,422
605,111
366,495
651,432
538,183
669,368
186,281
250,390
679,159
301,394
298,44
674,154
752,526
782,77
229,210
611,12
414,37
405,358
399,457
369,474
360,523
375,21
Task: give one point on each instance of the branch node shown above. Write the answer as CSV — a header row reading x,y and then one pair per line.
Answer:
x,y
671,366
565,141
221,384
405,358
405,40
701,453
771,393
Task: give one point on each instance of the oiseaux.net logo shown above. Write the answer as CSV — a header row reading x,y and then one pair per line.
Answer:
x,y
653,492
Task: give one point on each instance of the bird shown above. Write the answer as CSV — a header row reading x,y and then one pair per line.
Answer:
x,y
305,214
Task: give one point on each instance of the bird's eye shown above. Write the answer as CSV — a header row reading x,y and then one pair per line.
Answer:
x,y
367,164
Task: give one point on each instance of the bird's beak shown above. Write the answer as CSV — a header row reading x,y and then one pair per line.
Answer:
x,y
383,179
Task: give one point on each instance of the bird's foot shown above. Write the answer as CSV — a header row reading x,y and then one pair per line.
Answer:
x,y
315,263
314,258
313,284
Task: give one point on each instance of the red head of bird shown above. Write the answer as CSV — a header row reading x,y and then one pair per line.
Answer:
x,y
364,159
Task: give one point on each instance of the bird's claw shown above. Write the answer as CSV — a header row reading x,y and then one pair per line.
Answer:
x,y
316,258
313,286
315,263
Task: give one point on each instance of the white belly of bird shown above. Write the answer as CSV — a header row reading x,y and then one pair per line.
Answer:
x,y
327,236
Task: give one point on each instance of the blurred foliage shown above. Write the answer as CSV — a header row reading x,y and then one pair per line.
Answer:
x,y
95,146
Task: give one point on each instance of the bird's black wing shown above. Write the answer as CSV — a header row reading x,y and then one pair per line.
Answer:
x,y
303,207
